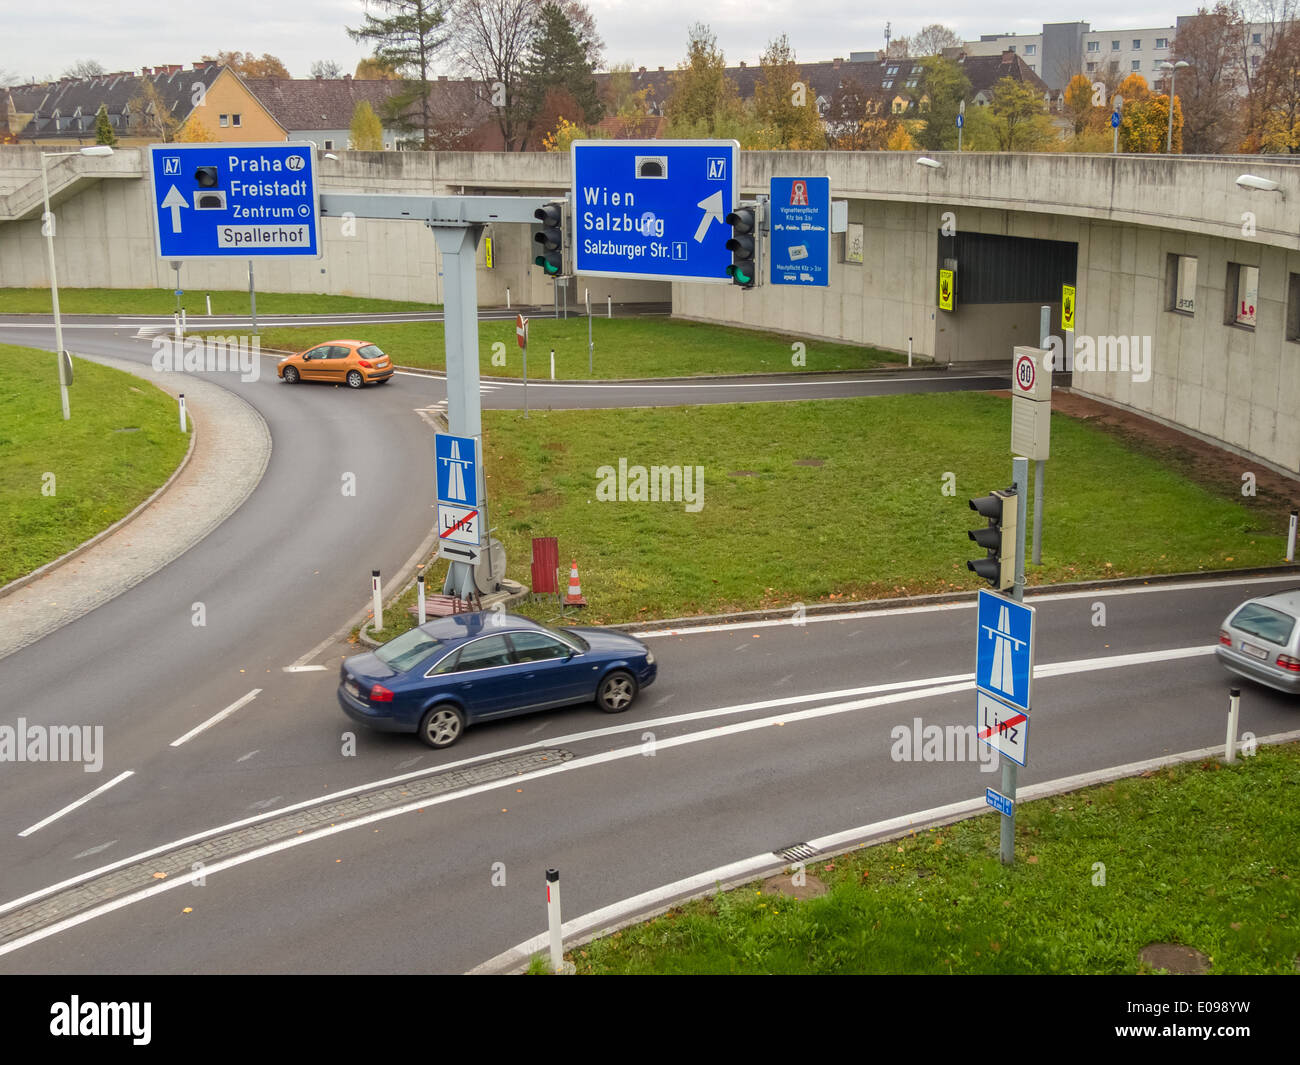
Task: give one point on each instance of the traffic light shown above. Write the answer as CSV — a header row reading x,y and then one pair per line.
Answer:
x,y
743,270
551,238
1002,509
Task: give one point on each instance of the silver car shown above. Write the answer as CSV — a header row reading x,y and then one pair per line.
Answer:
x,y
1260,640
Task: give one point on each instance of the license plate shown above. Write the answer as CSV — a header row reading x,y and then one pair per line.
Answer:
x,y
352,688
1253,651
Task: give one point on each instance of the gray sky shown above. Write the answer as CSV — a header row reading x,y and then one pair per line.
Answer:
x,y
43,40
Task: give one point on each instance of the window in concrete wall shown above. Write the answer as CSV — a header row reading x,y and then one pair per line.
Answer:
x,y
1094,46
1181,278
1293,308
1242,292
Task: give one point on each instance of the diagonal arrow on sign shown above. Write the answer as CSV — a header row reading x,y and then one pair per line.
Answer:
x,y
175,199
712,209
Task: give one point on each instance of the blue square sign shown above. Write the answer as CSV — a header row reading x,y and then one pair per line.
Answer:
x,y
1004,656
235,201
801,231
456,458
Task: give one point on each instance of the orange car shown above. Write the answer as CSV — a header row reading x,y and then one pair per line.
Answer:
x,y
342,362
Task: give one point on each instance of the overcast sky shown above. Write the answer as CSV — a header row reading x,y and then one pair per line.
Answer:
x,y
44,39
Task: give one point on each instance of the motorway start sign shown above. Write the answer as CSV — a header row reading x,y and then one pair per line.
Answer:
x,y
653,209
800,246
235,201
456,458
1004,656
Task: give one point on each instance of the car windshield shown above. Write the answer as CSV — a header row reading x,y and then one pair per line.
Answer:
x,y
408,649
1264,622
370,352
569,637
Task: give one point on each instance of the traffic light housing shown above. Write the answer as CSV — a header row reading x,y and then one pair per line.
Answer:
x,y
1002,509
743,270
550,256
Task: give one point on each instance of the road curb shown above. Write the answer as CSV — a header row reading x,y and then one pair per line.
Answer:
x,y
658,901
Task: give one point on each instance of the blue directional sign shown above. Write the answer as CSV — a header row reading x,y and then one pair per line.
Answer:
x,y
998,801
653,209
1114,119
961,120
235,201
457,460
1004,657
800,247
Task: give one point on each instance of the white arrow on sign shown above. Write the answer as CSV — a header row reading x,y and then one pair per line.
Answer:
x,y
175,200
712,209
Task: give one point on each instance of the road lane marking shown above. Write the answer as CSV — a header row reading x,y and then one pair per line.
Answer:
x,y
927,688
302,669
80,802
215,718
94,850
1048,597
246,757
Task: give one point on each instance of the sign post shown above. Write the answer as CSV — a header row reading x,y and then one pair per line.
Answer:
x,y
521,335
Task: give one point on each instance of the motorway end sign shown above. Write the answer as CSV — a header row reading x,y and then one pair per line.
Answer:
x,y
459,525
235,201
653,209
1002,727
800,221
1004,655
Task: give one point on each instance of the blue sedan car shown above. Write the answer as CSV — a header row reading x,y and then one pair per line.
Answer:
x,y
453,672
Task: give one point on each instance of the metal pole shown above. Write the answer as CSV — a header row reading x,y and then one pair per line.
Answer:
x,y
252,295
1169,137
1290,538
1040,467
590,346
1234,706
525,378
1007,841
54,291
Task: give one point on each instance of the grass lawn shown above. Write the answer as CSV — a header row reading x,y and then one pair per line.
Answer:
x,y
623,347
839,499
122,442
1202,855
163,301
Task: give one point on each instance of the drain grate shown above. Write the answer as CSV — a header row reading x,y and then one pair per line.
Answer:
x,y
181,862
796,852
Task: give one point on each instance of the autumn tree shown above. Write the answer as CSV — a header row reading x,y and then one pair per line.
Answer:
x,y
1211,86
195,132
703,99
934,39
150,115
557,62
491,41
945,85
103,127
783,102
248,65
1020,117
854,122
366,131
1078,102
1279,120
407,36
373,68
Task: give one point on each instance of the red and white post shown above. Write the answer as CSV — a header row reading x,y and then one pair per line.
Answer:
x,y
1234,707
378,600
182,409
553,920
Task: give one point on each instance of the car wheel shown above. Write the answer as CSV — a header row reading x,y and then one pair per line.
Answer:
x,y
291,375
616,692
442,726
355,380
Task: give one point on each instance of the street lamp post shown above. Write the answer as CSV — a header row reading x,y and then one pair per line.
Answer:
x,y
1172,69
47,226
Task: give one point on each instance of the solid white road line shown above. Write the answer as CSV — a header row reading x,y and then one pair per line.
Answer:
x,y
605,757
969,604
302,669
657,900
218,717
80,802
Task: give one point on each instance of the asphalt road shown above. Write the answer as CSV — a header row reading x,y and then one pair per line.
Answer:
x,y
418,891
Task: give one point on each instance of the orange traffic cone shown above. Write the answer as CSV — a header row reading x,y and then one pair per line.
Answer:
x,y
574,598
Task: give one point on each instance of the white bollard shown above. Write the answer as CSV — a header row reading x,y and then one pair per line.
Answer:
x,y
909,351
419,597
176,325
553,920
209,299
1290,538
185,322
552,364
610,308
378,600
1234,705
507,297
182,399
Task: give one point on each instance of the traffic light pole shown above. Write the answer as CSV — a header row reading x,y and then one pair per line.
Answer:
x,y
457,223
1020,476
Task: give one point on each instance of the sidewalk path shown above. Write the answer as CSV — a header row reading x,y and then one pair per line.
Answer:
x,y
231,449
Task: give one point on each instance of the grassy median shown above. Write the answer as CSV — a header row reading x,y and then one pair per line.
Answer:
x,y
651,346
163,301
1201,855
61,482
839,500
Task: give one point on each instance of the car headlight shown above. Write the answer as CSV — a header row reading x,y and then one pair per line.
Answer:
x,y
649,657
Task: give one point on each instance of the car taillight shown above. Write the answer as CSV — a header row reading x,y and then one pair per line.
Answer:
x,y
1224,638
364,363
380,694
1288,663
